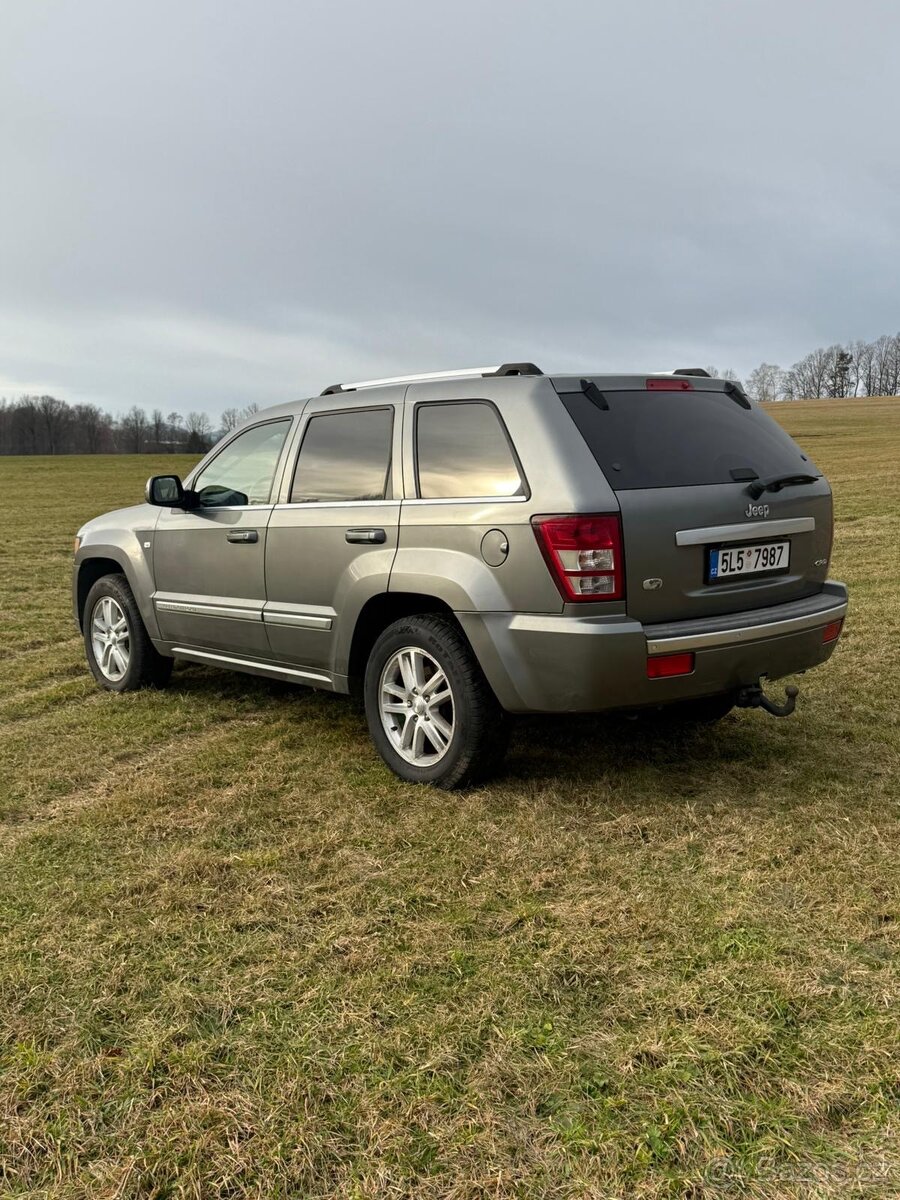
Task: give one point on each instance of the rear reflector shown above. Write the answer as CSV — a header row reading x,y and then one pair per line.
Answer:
x,y
664,666
584,554
832,632
669,385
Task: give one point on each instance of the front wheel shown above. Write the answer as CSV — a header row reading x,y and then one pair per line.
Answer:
x,y
431,712
120,654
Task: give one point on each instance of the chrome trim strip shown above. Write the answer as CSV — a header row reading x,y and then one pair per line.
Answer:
x,y
217,508
209,610
744,533
317,504
469,500
746,633
269,668
287,618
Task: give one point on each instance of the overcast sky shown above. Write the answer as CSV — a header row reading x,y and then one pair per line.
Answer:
x,y
205,203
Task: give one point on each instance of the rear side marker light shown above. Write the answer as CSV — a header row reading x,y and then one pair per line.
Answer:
x,y
664,666
584,554
669,385
832,632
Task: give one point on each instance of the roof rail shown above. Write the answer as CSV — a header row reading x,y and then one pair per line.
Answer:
x,y
466,373
522,368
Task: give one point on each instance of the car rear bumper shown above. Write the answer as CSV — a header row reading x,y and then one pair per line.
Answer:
x,y
558,663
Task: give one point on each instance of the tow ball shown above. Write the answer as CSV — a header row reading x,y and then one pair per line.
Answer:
x,y
755,697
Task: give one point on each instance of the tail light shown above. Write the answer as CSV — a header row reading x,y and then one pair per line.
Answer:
x,y
584,554
832,632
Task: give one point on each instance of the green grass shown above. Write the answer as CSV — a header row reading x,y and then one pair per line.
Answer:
x,y
238,958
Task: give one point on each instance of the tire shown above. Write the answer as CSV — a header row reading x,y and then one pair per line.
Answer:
x,y
111,607
704,711
405,737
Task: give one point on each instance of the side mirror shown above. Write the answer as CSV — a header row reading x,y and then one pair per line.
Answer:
x,y
166,491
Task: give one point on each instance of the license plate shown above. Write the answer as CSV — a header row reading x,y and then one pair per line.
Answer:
x,y
749,560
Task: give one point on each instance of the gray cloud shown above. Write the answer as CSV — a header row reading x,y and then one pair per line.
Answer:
x,y
205,204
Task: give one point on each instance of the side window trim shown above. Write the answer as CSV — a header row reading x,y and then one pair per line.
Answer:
x,y
290,473
418,498
207,461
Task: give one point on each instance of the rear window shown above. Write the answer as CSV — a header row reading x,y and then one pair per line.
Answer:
x,y
675,439
463,452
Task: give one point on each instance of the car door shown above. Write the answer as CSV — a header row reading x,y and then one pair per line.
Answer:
x,y
209,561
332,539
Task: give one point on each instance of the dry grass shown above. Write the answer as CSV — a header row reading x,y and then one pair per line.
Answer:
x,y
240,959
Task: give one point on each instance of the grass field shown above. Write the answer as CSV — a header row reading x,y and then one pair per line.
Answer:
x,y
238,958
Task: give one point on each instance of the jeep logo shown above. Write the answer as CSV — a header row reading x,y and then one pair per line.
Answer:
x,y
756,510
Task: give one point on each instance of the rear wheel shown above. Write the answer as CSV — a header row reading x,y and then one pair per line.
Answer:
x,y
119,652
431,712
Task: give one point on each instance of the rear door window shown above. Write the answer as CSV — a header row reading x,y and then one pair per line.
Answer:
x,y
344,456
676,439
464,452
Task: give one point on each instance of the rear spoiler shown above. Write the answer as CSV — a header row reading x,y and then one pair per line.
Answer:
x,y
593,388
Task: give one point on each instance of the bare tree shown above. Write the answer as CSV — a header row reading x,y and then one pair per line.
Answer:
x,y
231,418
809,375
765,383
175,432
250,411
198,428
134,429
866,366
54,417
890,373
157,428
26,426
92,428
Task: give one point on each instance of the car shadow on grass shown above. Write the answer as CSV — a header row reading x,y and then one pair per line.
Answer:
x,y
585,748
573,749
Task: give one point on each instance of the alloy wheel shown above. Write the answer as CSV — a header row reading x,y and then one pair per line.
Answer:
x,y
415,702
110,638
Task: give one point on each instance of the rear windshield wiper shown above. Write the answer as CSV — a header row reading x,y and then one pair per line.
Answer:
x,y
776,482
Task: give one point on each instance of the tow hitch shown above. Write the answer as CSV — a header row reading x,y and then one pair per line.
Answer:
x,y
755,697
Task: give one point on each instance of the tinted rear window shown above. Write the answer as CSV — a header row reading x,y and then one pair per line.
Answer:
x,y
462,451
675,439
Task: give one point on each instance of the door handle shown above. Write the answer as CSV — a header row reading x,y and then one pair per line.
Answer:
x,y
366,537
242,535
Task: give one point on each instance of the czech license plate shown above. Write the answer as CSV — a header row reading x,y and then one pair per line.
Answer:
x,y
749,560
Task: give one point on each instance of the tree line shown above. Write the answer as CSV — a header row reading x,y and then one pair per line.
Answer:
x,y
45,425
856,369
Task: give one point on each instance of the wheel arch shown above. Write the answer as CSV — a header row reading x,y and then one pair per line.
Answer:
x,y
93,562
89,571
376,615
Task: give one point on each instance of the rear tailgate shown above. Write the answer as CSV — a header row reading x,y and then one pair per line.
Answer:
x,y
671,458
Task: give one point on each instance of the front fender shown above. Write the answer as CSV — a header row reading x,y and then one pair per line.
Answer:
x,y
132,551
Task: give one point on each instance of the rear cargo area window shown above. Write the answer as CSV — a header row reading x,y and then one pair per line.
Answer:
x,y
462,451
677,439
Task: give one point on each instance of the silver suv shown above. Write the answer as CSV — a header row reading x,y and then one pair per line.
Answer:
x,y
464,546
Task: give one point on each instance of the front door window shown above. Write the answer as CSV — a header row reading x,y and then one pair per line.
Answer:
x,y
243,473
